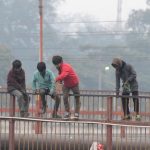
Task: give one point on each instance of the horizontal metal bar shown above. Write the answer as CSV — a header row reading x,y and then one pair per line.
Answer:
x,y
102,122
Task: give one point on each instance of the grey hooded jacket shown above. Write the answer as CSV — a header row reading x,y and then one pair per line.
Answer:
x,y
126,73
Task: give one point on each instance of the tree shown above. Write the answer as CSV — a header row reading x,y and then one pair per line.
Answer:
x,y
139,45
19,29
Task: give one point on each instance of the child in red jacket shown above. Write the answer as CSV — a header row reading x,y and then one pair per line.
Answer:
x,y
71,82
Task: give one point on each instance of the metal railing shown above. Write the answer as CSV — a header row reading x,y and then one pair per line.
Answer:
x,y
100,121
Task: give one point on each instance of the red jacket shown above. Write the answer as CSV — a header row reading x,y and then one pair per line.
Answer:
x,y
68,75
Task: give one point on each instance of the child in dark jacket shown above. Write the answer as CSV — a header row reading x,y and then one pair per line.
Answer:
x,y
16,86
127,74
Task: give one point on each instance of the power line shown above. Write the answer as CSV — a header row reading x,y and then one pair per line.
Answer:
x,y
91,21
81,48
78,34
86,57
74,22
84,32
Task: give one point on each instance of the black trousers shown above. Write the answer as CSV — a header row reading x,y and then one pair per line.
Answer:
x,y
125,102
75,90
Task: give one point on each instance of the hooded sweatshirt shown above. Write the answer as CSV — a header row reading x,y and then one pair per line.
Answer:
x,y
126,73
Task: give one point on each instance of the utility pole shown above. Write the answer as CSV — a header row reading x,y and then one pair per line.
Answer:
x,y
41,30
38,125
119,14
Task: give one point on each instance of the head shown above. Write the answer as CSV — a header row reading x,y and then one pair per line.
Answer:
x,y
57,60
117,63
41,66
16,65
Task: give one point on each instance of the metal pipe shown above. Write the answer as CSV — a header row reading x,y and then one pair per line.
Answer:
x,y
41,30
12,124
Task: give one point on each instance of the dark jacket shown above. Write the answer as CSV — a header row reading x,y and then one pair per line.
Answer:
x,y
127,74
16,80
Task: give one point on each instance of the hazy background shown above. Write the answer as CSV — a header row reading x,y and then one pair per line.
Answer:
x,y
88,34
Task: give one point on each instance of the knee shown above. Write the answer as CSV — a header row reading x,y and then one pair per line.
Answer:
x,y
77,96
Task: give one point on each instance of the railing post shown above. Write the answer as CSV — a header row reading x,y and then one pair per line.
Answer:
x,y
122,132
12,123
38,125
109,127
0,135
122,129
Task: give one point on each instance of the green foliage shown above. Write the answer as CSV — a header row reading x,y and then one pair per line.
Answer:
x,y
139,45
19,30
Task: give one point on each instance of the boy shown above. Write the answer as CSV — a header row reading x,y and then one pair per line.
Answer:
x,y
44,84
71,82
16,86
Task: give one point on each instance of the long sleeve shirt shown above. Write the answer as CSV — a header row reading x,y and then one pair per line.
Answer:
x,y
68,75
40,82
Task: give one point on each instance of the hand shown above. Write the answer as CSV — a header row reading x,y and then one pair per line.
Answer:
x,y
126,82
58,81
126,87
